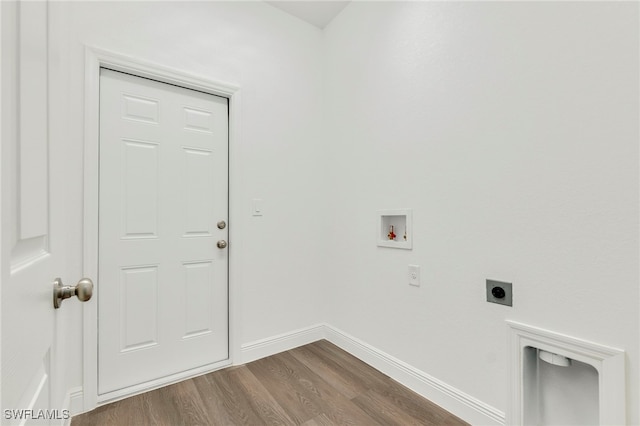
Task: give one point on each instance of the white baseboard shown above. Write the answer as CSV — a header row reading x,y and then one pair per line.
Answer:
x,y
76,401
451,399
72,402
280,343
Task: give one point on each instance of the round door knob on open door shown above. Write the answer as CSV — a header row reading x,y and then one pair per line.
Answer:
x,y
221,244
84,291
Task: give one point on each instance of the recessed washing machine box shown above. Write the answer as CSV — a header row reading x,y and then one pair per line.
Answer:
x,y
395,228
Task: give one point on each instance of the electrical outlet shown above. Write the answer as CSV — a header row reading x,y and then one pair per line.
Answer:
x,y
414,275
500,292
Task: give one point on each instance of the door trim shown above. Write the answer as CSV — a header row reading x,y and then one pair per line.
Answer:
x,y
95,59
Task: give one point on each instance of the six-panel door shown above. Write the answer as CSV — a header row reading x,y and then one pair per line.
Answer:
x,y
162,285
34,248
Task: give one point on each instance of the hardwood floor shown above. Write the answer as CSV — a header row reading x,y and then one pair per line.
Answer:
x,y
314,385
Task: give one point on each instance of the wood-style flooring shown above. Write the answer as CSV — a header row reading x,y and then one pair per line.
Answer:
x,y
314,385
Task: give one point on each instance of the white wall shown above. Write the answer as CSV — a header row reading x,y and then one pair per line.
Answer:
x,y
511,130
280,158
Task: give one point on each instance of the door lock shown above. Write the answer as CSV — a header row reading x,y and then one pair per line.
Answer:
x,y
221,244
222,224
84,291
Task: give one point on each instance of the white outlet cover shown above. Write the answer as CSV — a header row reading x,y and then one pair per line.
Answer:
x,y
256,207
414,275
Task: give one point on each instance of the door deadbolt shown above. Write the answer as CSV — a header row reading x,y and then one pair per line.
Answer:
x,y
222,224
84,291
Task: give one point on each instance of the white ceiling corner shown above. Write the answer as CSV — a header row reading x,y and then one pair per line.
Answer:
x,y
317,13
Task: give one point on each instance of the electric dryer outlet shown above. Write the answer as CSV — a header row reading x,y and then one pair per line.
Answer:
x,y
500,292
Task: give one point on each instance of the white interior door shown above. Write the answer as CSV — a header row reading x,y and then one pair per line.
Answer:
x,y
162,280
34,248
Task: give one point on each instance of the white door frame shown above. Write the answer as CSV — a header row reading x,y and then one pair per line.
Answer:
x,y
95,59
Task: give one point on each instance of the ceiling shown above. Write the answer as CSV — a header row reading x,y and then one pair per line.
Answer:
x,y
317,13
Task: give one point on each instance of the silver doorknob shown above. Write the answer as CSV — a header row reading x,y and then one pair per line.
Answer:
x,y
84,291
221,244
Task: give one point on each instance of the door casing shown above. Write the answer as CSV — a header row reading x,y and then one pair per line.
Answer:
x,y
94,60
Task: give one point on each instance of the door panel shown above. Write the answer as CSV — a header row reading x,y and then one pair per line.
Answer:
x,y
32,250
162,304
33,171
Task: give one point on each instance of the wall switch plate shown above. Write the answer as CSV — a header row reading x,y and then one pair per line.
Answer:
x,y
256,207
500,292
414,275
